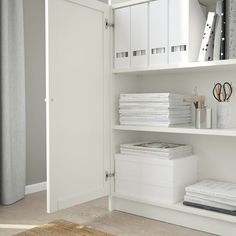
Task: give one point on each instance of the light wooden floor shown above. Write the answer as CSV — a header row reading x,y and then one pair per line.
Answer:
x,y
32,211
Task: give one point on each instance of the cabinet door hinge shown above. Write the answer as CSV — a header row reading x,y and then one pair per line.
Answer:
x,y
108,24
109,175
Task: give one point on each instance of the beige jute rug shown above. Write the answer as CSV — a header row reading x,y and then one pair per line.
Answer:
x,y
61,228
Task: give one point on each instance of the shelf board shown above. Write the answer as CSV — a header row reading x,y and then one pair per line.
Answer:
x,y
134,2
208,2
128,3
193,66
180,207
178,130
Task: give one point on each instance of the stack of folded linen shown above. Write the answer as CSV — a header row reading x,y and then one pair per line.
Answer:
x,y
212,195
154,109
156,149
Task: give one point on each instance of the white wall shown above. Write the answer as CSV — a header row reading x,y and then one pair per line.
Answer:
x,y
35,91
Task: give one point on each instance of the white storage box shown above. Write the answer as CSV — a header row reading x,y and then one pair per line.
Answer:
x,y
186,27
154,179
122,38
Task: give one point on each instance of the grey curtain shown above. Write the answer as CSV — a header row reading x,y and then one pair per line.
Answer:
x,y
12,102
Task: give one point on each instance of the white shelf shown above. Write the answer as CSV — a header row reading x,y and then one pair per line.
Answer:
x,y
208,2
193,67
186,209
178,130
134,2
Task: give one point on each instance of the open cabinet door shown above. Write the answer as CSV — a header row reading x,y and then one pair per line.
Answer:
x,y
77,45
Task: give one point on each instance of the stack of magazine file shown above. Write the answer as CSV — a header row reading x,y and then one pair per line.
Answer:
x,y
154,109
212,195
156,150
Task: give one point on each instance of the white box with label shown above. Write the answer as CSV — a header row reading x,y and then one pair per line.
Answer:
x,y
139,35
187,20
122,38
158,32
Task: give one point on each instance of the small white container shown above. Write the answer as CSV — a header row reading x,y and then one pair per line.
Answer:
x,y
203,118
224,115
153,179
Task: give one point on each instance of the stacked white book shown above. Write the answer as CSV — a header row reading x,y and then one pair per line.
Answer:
x,y
212,195
154,109
156,149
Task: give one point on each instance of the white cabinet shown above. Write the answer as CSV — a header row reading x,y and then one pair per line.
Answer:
x,y
186,23
122,38
159,32
83,134
139,35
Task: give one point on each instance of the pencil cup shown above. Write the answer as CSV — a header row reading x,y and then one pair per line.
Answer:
x,y
203,118
224,115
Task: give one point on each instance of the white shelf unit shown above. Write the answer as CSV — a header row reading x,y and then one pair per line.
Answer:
x,y
73,127
215,147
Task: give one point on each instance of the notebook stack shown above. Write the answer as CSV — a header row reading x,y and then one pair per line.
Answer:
x,y
212,195
156,149
154,109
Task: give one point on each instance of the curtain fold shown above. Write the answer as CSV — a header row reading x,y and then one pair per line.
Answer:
x,y
12,102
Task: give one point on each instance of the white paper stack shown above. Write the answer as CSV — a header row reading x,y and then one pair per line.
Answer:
x,y
154,109
156,149
212,195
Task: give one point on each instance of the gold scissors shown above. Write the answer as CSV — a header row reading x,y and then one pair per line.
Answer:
x,y
222,93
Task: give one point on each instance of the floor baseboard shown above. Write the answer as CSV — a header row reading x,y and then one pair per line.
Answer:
x,y
34,188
